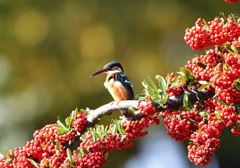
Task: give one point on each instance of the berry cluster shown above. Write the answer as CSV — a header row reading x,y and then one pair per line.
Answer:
x,y
205,141
117,137
181,124
235,131
215,32
47,147
231,1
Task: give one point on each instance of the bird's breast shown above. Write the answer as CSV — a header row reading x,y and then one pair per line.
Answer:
x,y
117,90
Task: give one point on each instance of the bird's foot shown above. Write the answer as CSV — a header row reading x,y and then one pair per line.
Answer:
x,y
117,102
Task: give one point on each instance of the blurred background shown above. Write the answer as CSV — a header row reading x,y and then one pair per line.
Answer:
x,y
48,50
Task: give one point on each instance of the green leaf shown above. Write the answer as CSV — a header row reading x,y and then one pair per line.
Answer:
x,y
83,111
106,130
183,79
117,125
128,124
204,22
153,84
204,114
61,130
148,87
163,88
33,163
217,114
145,84
131,111
233,17
68,121
93,134
81,151
184,109
185,71
221,14
182,69
74,114
204,86
237,86
175,83
79,154
6,152
223,103
57,147
113,128
106,155
229,49
140,97
62,123
187,102
98,129
237,48
85,150
168,79
200,64
190,119
69,155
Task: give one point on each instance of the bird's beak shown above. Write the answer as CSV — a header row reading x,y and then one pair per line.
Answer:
x,y
99,72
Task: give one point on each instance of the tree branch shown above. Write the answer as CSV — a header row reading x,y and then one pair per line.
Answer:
x,y
173,103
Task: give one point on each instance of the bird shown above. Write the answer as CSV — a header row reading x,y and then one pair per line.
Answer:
x,y
116,82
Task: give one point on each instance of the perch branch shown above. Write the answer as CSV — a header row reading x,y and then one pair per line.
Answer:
x,y
173,103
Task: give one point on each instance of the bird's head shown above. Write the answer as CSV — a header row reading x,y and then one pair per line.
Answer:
x,y
111,66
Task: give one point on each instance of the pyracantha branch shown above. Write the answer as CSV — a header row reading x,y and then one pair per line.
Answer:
x,y
172,103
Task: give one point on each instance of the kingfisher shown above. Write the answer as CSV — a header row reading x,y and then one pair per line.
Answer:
x,y
116,82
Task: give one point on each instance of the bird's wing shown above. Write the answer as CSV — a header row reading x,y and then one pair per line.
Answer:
x,y
125,81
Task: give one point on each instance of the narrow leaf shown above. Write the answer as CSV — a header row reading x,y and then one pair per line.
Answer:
x,y
153,84
163,88
200,64
187,102
204,86
33,163
93,134
128,124
221,14
62,123
131,111
223,103
204,22
61,130
68,121
237,86
190,119
141,97
106,155
69,155
183,79
204,114
83,111
79,154
6,152
85,150
57,147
